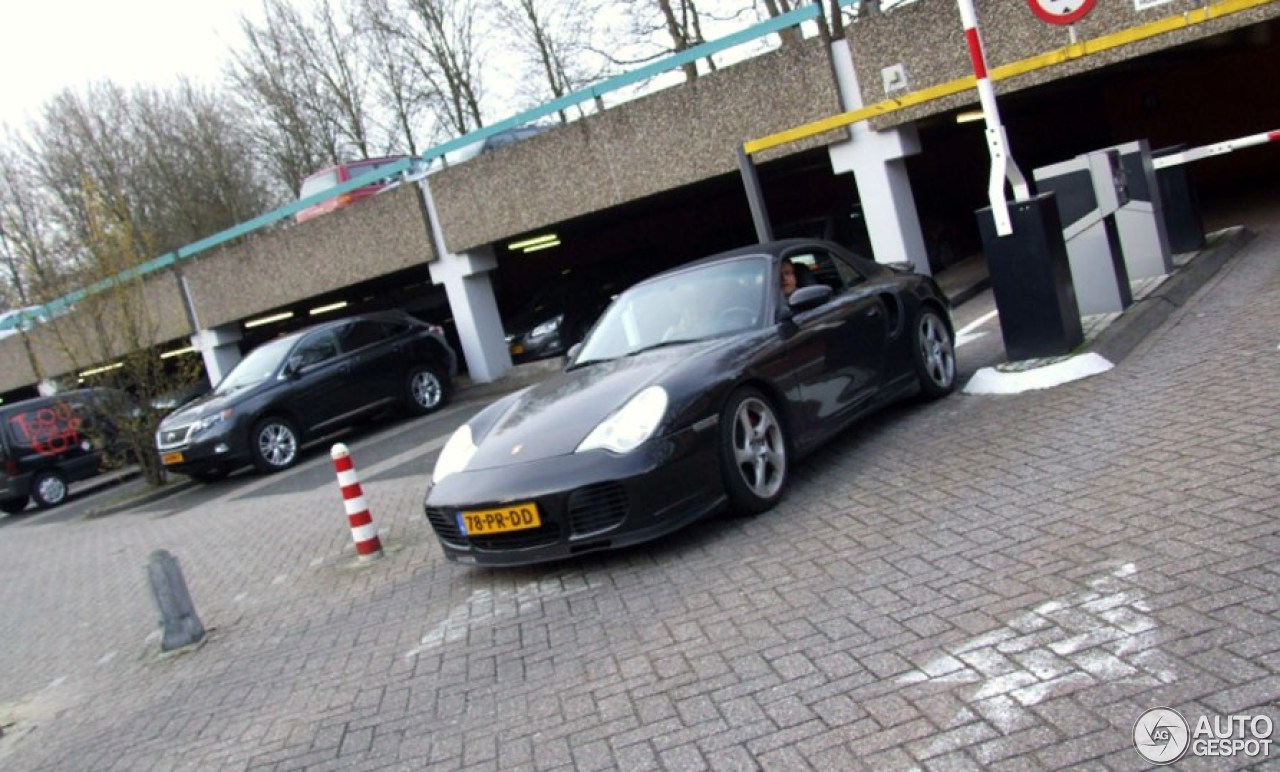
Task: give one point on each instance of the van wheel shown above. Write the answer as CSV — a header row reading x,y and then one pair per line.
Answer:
x,y
13,506
49,489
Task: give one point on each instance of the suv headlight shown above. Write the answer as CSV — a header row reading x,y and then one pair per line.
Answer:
x,y
212,420
630,426
455,455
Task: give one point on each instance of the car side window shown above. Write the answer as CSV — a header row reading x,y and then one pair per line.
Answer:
x,y
818,266
314,349
360,333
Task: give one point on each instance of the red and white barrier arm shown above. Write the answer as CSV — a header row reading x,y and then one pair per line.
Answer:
x,y
1217,148
1003,167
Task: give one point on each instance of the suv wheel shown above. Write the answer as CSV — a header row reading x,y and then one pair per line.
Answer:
x,y
274,444
427,390
49,489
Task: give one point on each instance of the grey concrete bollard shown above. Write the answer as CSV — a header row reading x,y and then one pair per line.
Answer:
x,y
178,619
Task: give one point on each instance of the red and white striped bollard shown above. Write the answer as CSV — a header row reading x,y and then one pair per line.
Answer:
x,y
363,531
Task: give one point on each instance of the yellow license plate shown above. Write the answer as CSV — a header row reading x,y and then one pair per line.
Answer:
x,y
513,517
171,458
517,349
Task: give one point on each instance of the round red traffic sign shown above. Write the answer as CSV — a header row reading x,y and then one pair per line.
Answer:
x,y
1061,11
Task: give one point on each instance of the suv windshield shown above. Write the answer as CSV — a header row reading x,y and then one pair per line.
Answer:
x,y
261,363
690,305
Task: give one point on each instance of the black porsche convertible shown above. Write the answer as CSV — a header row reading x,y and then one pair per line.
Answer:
x,y
692,394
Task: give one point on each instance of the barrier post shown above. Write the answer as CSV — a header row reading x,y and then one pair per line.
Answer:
x,y
363,532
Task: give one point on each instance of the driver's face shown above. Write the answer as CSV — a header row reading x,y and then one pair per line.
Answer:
x,y
788,278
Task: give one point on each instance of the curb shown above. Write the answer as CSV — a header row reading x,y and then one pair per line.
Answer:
x,y
965,294
1124,334
146,497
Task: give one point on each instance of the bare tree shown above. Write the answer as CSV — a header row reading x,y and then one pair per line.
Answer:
x,y
444,49
198,170
25,227
775,8
402,102
182,162
554,39
330,45
685,28
117,326
272,79
672,26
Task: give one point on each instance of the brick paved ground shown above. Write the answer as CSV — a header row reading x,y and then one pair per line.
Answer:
x,y
997,582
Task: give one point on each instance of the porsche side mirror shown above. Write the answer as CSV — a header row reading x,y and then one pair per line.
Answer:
x,y
809,297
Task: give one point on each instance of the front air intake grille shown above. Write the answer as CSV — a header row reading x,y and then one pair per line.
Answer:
x,y
545,534
597,508
446,526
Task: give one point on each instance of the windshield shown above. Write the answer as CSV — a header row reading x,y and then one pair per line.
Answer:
x,y
261,363
318,182
704,302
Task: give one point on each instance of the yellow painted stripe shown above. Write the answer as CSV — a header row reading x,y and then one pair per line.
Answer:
x,y
1021,67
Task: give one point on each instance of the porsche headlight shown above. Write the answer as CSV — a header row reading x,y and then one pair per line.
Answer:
x,y
630,426
455,455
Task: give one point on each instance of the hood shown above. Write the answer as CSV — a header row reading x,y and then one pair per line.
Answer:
x,y
553,417
203,406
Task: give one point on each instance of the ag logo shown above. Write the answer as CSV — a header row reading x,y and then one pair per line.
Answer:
x,y
1161,735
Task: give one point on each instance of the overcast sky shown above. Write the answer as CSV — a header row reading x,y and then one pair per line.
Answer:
x,y
52,44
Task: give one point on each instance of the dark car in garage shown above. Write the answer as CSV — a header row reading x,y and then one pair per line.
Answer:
x,y
560,315
305,385
693,394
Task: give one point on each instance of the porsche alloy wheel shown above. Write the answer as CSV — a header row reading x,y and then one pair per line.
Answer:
x,y
935,355
754,452
275,445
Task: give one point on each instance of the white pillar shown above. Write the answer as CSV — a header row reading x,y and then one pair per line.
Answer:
x,y
220,349
475,311
877,160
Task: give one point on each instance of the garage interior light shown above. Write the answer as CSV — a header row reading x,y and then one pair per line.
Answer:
x,y
269,319
178,352
545,245
545,241
328,308
969,116
103,369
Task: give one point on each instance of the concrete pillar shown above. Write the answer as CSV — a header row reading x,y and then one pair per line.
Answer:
x,y
220,349
877,160
475,311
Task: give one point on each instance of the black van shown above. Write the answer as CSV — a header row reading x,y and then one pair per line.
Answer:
x,y
47,443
